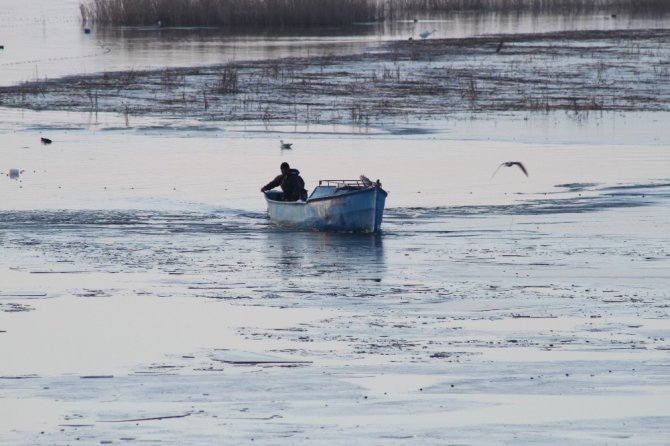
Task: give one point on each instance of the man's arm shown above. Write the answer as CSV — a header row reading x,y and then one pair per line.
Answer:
x,y
272,184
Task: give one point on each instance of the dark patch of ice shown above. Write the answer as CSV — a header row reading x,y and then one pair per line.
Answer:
x,y
179,129
603,199
411,131
576,187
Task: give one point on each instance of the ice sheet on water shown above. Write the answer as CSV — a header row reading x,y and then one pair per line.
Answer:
x,y
158,220
577,198
661,188
521,325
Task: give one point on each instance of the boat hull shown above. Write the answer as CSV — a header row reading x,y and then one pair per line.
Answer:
x,y
351,211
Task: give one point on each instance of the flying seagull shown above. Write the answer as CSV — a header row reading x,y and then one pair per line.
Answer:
x,y
510,164
285,145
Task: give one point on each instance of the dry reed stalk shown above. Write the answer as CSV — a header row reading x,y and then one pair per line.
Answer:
x,y
227,83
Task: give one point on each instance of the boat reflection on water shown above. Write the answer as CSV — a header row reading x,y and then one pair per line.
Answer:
x,y
304,254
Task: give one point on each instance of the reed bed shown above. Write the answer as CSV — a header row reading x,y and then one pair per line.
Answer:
x,y
230,13
321,13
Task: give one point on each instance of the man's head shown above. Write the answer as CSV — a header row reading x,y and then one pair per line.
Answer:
x,y
284,167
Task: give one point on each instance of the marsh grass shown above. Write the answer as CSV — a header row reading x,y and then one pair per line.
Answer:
x,y
227,81
616,71
321,13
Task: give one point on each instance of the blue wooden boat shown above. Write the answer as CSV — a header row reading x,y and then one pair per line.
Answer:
x,y
334,205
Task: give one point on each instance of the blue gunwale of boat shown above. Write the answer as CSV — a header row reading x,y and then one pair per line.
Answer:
x,y
347,193
326,197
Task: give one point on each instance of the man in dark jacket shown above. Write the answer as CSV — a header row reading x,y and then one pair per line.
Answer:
x,y
291,184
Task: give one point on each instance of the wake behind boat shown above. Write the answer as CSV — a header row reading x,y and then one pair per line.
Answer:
x,y
334,205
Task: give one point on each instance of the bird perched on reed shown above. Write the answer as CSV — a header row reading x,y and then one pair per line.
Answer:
x,y
285,145
500,45
510,164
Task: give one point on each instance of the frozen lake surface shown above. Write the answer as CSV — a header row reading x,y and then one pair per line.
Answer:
x,y
145,297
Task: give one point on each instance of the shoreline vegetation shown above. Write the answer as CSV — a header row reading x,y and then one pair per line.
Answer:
x,y
397,82
319,13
